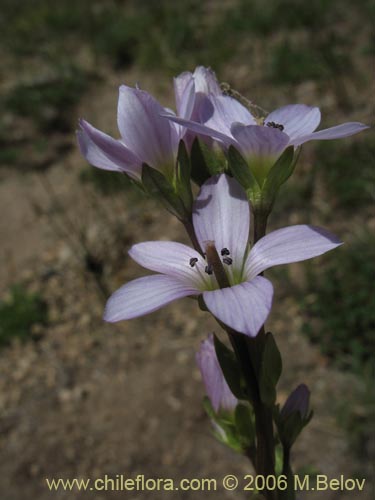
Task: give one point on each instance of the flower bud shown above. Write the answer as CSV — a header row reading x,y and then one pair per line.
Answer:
x,y
297,401
217,389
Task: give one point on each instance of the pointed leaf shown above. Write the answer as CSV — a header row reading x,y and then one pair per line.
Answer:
x,y
199,169
270,371
158,186
230,368
245,425
242,173
183,177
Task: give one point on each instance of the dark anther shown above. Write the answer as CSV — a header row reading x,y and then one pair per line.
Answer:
x,y
225,251
208,269
227,260
275,125
193,261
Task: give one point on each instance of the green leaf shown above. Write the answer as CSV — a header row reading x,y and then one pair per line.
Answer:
x,y
199,169
205,162
270,370
279,174
158,186
242,173
229,366
183,177
245,426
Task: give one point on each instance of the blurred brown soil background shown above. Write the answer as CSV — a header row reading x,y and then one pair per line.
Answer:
x,y
80,398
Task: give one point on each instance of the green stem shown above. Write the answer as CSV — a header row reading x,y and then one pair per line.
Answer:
x,y
289,493
245,349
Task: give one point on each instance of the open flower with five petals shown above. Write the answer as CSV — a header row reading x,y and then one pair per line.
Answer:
x,y
146,136
227,121
221,219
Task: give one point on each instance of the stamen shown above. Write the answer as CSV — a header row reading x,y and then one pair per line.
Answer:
x,y
275,125
215,265
225,251
193,261
227,260
208,269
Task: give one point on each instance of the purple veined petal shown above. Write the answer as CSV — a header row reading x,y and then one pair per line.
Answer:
x,y
217,389
206,81
338,132
260,142
107,153
287,245
143,296
221,214
200,129
297,119
220,112
184,90
171,258
244,307
144,130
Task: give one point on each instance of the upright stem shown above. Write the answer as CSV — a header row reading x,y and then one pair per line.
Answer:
x,y
248,352
263,414
289,493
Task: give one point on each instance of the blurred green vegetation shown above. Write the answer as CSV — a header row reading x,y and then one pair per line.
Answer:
x,y
339,299
48,103
19,314
347,170
106,182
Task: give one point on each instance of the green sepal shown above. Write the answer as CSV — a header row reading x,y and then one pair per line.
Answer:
x,y
201,303
205,162
224,426
291,426
183,174
229,366
242,173
270,370
158,186
245,425
278,175
199,169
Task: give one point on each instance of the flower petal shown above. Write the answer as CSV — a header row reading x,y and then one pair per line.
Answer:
x,y
107,153
143,296
184,91
217,389
297,119
338,132
206,81
287,245
168,257
144,130
221,214
200,129
244,307
220,112
259,141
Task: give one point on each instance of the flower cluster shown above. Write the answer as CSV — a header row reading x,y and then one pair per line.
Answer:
x,y
239,160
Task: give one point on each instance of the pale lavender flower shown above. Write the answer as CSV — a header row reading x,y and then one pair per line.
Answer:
x,y
146,137
221,216
297,401
190,91
230,123
217,389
